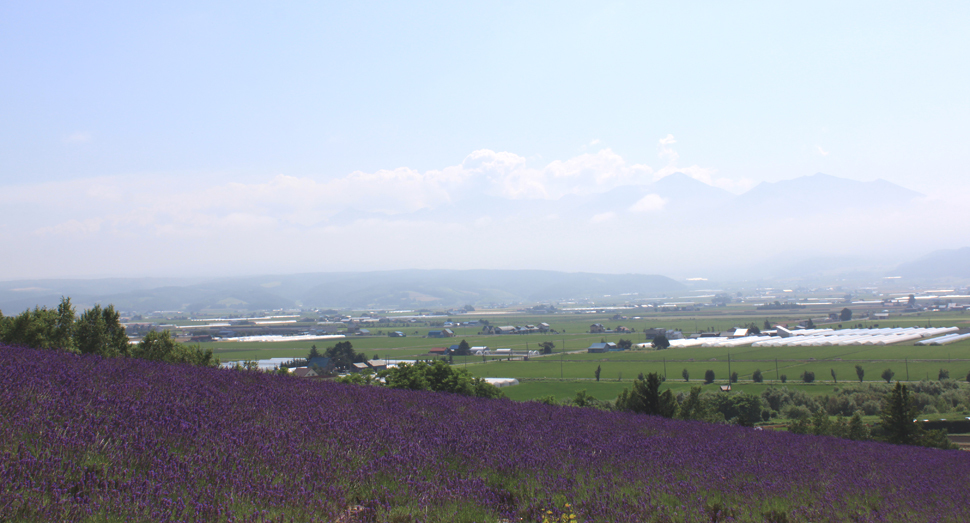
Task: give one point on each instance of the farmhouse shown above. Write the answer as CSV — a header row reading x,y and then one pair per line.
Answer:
x,y
443,333
304,372
597,328
602,347
396,334
439,351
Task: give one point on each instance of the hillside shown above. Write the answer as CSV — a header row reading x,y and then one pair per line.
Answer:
x,y
944,264
132,440
380,290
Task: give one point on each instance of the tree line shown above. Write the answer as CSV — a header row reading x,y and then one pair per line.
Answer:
x,y
897,410
436,376
97,330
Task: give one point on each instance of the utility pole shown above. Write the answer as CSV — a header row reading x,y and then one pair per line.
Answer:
x,y
907,368
561,353
665,368
777,375
729,369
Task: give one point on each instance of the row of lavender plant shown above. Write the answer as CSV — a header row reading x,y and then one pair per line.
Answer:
x,y
84,438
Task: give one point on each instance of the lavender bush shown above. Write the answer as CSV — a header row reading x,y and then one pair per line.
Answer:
x,y
84,438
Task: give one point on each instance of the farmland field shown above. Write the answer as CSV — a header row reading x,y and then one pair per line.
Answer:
x,y
577,367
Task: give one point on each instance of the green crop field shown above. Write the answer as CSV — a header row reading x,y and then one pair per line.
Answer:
x,y
609,389
908,362
562,374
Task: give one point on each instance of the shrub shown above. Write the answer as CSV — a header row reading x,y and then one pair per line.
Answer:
x,y
734,377
808,376
708,377
888,375
796,412
757,377
944,374
784,378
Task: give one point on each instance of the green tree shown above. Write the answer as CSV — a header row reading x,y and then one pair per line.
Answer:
x,y
784,378
99,331
767,325
859,371
857,429
597,372
63,337
846,314
821,425
624,344
645,398
898,416
409,376
314,353
734,377
160,346
756,376
742,409
660,342
41,328
547,347
438,376
686,375
667,406
835,379
944,375
583,399
693,406
464,349
708,377
888,375
808,376
343,356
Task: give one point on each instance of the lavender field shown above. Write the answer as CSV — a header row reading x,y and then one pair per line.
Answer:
x,y
84,438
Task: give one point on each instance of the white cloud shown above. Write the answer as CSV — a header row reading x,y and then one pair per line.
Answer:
x,y
649,203
79,137
821,151
72,227
602,217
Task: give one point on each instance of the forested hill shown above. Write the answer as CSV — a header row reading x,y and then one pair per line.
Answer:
x,y
383,290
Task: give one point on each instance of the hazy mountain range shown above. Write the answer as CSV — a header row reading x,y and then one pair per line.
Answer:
x,y
406,289
819,230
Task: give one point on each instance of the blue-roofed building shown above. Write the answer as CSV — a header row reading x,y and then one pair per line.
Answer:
x,y
320,362
602,347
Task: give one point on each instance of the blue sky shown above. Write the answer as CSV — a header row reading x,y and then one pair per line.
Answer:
x,y
134,100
